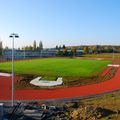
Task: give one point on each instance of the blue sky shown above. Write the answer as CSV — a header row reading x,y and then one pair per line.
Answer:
x,y
55,22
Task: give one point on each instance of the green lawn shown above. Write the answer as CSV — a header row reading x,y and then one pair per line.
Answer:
x,y
56,67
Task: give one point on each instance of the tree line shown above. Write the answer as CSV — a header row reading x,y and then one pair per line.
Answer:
x,y
34,46
65,51
88,49
96,49
30,47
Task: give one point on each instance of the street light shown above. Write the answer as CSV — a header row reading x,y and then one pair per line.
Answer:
x,y
13,35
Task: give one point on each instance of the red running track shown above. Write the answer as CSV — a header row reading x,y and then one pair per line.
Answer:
x,y
110,85
106,71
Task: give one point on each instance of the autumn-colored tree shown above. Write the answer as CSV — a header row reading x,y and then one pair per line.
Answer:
x,y
65,52
85,50
73,51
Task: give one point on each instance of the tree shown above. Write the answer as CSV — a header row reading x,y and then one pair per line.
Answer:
x,y
99,48
1,48
90,50
40,46
34,45
60,47
59,53
26,47
65,53
73,51
85,49
57,47
30,47
63,47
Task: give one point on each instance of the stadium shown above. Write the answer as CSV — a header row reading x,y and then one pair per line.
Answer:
x,y
76,73
60,60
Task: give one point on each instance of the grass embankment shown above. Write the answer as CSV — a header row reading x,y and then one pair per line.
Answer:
x,y
106,107
103,55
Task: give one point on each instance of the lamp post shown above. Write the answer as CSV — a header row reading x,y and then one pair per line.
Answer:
x,y
13,35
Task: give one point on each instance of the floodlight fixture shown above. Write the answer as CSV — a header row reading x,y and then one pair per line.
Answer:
x,y
13,35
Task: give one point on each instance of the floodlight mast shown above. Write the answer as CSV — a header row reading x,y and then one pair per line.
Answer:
x,y
13,35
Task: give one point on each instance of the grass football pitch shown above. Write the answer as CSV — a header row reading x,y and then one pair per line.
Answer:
x,y
56,67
